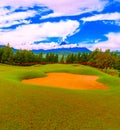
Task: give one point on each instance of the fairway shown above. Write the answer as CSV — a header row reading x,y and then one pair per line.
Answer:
x,y
70,81
37,107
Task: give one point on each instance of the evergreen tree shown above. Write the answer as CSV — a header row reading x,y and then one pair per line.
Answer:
x,y
51,57
56,58
62,60
68,58
7,55
78,57
39,57
84,57
47,58
1,53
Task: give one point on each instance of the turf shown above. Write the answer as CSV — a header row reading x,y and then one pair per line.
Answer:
x,y
33,107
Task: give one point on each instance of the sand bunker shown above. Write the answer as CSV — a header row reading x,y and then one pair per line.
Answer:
x,y
70,81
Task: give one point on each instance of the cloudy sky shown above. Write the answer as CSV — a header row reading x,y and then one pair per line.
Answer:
x,y
44,24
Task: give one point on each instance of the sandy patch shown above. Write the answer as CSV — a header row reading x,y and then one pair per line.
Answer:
x,y
70,81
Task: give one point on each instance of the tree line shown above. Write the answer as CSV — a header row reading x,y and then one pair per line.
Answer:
x,y
97,58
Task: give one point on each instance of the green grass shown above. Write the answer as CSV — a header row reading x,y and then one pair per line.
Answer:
x,y
33,107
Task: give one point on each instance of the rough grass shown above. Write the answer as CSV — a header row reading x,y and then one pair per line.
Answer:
x,y
33,107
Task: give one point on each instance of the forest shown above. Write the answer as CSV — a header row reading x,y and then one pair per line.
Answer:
x,y
97,58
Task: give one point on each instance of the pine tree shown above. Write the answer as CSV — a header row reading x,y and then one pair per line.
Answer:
x,y
7,55
62,60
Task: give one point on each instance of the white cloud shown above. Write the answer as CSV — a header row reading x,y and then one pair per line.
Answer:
x,y
17,16
4,11
73,7
16,22
60,7
9,18
113,42
25,35
108,16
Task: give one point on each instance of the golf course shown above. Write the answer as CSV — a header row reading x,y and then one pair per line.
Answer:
x,y
58,97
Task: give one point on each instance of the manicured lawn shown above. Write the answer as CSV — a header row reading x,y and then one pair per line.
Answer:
x,y
34,107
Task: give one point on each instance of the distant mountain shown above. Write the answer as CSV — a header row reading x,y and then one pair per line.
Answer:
x,y
64,50
1,46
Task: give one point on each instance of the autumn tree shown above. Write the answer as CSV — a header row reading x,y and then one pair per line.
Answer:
x,y
104,60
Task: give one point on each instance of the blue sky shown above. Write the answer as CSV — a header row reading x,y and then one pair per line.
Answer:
x,y
44,24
